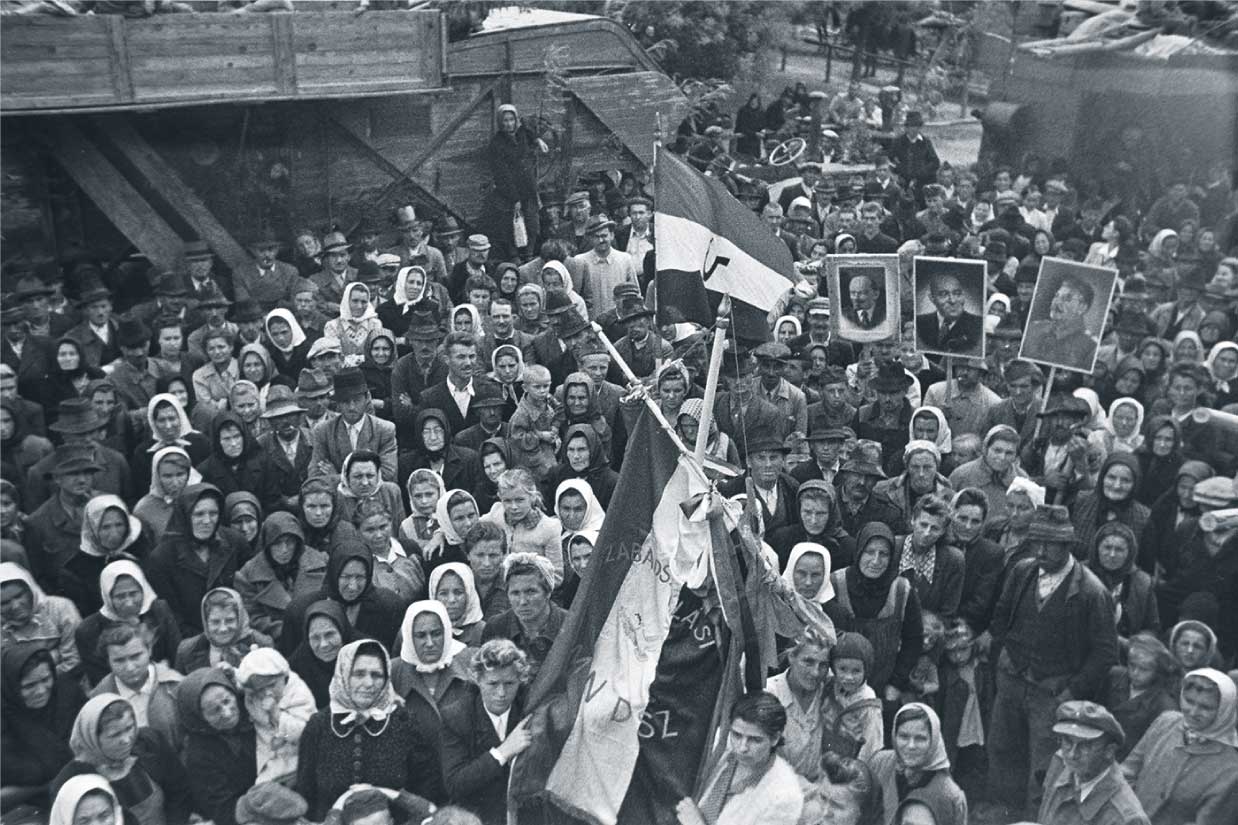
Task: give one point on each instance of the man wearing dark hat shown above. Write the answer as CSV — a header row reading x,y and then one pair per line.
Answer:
x,y
314,393
365,243
741,410
54,529
415,251
1054,625
609,320
1085,784
266,279
446,239
96,334
171,299
574,231
636,237
1024,381
810,173
214,307
1058,459
597,271
825,445
475,263
35,295
1063,337
640,347
1130,328
78,422
134,374
1185,312
352,430
858,504
766,462
887,420
199,273
286,448
913,154
29,356
423,367
336,273
493,412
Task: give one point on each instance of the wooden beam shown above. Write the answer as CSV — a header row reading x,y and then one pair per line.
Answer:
x,y
115,196
283,53
164,179
118,58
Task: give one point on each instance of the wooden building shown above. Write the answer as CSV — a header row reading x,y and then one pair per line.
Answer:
x,y
121,134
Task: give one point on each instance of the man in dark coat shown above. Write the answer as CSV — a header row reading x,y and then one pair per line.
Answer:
x,y
511,156
30,357
458,387
913,154
766,458
857,503
423,367
951,328
54,530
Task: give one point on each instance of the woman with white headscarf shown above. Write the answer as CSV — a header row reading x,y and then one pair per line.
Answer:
x,y
364,735
109,532
906,768
433,668
86,798
356,321
554,275
288,341
511,155
808,572
127,598
1222,365
1123,428
452,584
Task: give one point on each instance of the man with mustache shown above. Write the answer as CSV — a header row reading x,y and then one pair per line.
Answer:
x,y
1063,338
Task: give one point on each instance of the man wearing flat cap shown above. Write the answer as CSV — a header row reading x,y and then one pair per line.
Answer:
x,y
1085,785
1054,626
270,803
574,230
54,530
772,358
336,273
596,272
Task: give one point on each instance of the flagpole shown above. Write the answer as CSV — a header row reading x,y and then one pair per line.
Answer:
x,y
722,323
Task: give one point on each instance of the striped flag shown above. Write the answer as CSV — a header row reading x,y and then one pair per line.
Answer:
x,y
710,244
624,704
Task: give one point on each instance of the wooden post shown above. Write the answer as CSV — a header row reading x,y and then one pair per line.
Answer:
x,y
722,322
1044,401
949,377
829,60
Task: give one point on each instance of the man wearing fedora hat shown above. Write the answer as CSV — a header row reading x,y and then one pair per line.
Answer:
x,y
365,243
887,420
78,422
134,374
476,262
740,409
641,347
491,408
171,298
597,271
858,501
213,307
766,464
36,295
199,274
266,279
248,317
415,251
286,450
913,154
314,393
29,356
1085,783
54,529
96,334
1130,328
423,367
446,236
355,428
1054,625
336,273
574,231
1059,458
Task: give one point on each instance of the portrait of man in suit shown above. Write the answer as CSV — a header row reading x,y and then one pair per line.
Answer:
x,y
1068,308
950,290
865,290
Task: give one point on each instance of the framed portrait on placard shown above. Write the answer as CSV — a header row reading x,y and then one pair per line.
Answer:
x,y
1068,313
949,301
864,296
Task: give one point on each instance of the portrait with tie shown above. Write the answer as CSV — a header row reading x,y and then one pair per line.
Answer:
x,y
950,295
865,287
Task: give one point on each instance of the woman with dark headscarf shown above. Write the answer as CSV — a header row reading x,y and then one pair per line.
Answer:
x,y
227,636
1112,500
324,632
196,554
749,121
243,513
496,457
284,569
38,708
433,449
127,598
141,766
372,611
512,157
1159,458
364,735
380,356
21,449
220,744
68,378
109,532
321,516
583,456
1111,557
871,598
236,459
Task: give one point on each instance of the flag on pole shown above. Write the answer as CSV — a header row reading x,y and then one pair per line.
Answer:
x,y
623,705
710,244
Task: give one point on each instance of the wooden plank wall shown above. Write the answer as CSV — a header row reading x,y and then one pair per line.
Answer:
x,y
593,45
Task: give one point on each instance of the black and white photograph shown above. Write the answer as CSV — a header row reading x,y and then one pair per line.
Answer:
x,y
1068,313
950,301
865,296
382,383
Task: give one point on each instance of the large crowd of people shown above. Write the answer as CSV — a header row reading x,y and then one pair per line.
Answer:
x,y
289,542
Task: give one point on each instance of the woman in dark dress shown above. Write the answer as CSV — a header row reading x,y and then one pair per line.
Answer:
x,y
325,631
372,612
749,121
38,709
220,744
127,598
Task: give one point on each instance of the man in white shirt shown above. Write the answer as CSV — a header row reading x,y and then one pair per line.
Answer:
x,y
354,429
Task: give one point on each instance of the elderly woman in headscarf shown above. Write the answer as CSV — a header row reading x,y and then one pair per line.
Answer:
x,y
688,422
1112,500
365,735
397,565
169,427
1111,556
32,616
380,358
1126,380
1185,768
220,751
495,457
284,569
1222,365
325,631
236,461
921,477
1188,348
414,291
578,509
227,635
452,585
1162,258
434,449
534,621
127,598
555,276
109,532
433,668
141,766
917,762
1123,428
171,471
511,156
1142,689
584,455
507,370
531,309
357,319
322,518
467,318
358,484
38,708
372,611
243,513
289,343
